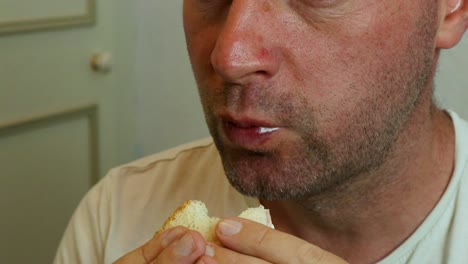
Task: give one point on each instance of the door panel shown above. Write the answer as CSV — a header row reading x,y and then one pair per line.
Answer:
x,y
43,159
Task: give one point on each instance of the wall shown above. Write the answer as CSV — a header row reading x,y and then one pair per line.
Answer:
x,y
125,33
168,109
452,78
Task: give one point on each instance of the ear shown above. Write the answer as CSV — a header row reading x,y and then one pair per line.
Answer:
x,y
453,24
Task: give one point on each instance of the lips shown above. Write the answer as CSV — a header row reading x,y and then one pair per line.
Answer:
x,y
249,133
247,126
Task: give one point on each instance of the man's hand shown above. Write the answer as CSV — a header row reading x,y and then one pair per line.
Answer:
x,y
176,245
245,241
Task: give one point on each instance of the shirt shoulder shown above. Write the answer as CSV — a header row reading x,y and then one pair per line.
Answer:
x,y
130,204
143,193
179,166
204,147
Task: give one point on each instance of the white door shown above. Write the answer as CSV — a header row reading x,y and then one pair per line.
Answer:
x,y
57,122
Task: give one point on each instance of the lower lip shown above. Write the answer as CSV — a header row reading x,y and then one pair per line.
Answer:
x,y
247,137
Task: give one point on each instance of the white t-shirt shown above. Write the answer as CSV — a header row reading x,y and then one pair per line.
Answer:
x,y
129,205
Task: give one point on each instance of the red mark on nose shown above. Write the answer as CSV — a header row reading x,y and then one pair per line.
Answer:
x,y
266,6
263,54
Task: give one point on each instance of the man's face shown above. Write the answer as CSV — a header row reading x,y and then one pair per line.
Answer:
x,y
302,95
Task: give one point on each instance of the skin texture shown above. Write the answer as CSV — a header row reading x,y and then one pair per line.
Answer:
x,y
349,85
357,78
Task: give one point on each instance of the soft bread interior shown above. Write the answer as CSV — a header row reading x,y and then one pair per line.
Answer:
x,y
193,214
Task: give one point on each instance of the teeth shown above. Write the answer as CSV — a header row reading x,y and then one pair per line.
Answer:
x,y
263,130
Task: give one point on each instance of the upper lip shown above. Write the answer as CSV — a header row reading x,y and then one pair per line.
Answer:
x,y
245,121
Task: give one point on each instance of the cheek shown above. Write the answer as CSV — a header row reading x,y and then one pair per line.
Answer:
x,y
353,70
346,64
200,47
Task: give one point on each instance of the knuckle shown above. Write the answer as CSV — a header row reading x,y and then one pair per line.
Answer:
x,y
308,253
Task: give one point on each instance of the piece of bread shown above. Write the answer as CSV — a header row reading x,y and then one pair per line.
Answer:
x,y
193,214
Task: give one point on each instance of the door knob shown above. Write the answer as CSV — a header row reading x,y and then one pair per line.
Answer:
x,y
101,62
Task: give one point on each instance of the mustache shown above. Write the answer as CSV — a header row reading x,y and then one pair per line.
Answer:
x,y
290,108
266,100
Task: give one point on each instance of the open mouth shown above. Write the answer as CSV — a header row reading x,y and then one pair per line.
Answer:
x,y
253,127
249,135
264,130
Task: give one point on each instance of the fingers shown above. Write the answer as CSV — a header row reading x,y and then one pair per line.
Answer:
x,y
155,246
176,245
257,240
186,249
223,255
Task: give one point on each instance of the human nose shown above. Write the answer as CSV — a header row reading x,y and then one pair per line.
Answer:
x,y
245,45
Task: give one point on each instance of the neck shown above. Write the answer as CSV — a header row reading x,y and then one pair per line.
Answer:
x,y
384,206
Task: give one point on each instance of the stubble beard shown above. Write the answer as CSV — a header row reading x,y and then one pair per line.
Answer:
x,y
317,163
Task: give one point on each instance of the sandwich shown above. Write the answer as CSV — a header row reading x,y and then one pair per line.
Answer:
x,y
193,214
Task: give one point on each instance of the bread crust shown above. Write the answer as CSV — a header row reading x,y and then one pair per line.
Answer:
x,y
173,216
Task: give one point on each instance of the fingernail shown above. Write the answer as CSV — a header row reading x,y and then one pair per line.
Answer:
x,y
229,227
169,237
209,251
184,246
200,262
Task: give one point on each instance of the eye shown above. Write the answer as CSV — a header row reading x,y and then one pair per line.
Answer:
x,y
320,11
